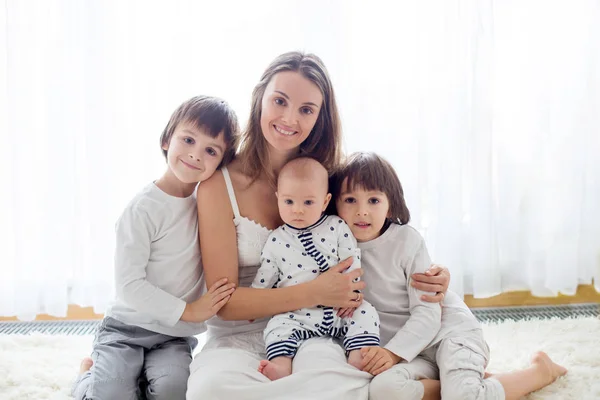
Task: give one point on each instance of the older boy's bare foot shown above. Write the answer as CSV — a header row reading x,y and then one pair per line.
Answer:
x,y
85,365
272,370
548,369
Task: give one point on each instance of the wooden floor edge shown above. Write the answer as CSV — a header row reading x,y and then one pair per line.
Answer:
x,y
585,294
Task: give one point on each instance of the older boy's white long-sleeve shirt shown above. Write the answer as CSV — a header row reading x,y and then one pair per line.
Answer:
x,y
157,263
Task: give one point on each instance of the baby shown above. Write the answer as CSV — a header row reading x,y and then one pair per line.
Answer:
x,y
297,252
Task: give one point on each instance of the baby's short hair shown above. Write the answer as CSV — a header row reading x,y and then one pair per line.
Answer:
x,y
304,168
211,114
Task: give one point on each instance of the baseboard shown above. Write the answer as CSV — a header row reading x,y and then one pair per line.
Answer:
x,y
73,313
585,294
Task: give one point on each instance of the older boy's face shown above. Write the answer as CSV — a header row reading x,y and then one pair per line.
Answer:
x,y
301,201
192,155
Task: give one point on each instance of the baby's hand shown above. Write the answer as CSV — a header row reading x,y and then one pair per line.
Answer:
x,y
377,359
346,312
209,305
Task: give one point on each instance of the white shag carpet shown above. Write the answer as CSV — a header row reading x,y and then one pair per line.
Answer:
x,y
41,366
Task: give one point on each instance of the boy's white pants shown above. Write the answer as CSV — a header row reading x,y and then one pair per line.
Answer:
x,y
461,363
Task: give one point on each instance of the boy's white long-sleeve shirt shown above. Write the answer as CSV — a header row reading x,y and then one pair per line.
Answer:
x,y
157,263
408,325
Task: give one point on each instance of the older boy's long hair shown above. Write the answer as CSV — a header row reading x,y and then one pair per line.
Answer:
x,y
210,114
369,171
324,141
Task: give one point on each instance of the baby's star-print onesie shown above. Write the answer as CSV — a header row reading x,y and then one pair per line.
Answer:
x,y
292,256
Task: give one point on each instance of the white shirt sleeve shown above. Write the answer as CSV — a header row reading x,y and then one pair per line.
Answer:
x,y
134,234
425,318
268,273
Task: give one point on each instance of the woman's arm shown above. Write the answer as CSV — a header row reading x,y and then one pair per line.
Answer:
x,y
436,279
218,243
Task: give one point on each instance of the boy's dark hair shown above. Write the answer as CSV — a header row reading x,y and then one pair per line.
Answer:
x,y
369,171
210,114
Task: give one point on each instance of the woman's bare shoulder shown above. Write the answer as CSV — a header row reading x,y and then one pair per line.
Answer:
x,y
239,179
212,195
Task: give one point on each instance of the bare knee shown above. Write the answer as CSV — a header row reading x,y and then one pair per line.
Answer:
x,y
395,384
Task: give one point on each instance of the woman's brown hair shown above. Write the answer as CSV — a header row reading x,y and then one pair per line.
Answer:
x,y
324,141
371,172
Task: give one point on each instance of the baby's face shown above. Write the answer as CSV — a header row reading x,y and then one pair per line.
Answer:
x,y
301,201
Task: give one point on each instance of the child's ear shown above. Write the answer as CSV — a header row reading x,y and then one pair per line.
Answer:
x,y
277,194
327,200
165,146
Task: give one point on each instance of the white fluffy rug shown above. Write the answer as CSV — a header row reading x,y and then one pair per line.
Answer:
x,y
43,366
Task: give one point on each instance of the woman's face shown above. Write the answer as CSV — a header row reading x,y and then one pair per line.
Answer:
x,y
290,108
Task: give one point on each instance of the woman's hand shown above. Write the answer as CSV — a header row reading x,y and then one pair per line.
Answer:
x,y
435,279
335,288
346,312
377,359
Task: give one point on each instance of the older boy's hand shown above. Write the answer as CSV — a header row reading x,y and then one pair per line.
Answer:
x,y
377,359
208,305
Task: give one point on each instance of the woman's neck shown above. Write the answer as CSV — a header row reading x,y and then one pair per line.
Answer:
x,y
279,158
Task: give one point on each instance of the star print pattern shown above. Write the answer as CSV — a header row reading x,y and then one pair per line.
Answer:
x,y
292,256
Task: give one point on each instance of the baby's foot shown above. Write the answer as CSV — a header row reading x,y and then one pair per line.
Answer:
x,y
85,365
548,368
272,370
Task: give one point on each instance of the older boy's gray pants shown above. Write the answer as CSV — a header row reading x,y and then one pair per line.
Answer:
x,y
125,356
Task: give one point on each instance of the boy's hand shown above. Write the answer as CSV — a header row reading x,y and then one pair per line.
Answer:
x,y
346,312
377,359
208,305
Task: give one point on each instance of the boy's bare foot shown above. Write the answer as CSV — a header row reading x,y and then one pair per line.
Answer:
x,y
487,375
85,365
272,370
548,368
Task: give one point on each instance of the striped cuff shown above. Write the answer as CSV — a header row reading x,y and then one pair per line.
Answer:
x,y
360,341
285,348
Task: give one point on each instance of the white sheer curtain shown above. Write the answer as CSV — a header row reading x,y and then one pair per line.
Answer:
x,y
488,110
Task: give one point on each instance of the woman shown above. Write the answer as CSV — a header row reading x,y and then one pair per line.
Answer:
x,y
293,112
